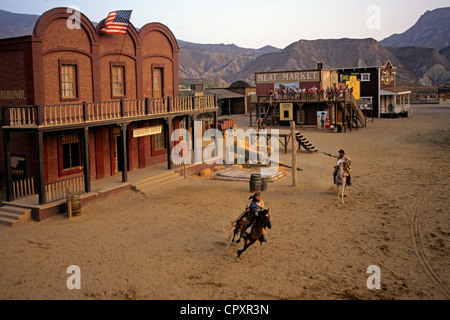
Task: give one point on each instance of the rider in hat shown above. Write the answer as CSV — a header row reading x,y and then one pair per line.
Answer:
x,y
347,165
252,212
257,204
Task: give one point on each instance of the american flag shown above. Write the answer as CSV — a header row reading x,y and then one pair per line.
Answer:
x,y
117,22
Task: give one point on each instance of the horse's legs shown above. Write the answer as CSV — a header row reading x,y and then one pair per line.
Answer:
x,y
241,234
337,191
239,252
247,244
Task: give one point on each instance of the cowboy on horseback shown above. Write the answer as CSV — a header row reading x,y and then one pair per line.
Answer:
x,y
251,213
342,157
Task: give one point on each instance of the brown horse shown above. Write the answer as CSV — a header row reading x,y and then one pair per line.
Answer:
x,y
262,221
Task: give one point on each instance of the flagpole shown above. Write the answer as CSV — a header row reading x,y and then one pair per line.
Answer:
x,y
125,37
123,43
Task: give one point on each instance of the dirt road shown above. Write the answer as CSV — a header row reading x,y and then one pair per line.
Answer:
x,y
173,243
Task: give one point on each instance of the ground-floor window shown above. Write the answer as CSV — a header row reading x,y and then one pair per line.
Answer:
x,y
71,156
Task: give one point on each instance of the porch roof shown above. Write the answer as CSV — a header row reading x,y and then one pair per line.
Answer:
x,y
221,93
394,92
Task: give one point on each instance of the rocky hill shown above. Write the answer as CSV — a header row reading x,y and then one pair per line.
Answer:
x,y
414,52
416,65
15,24
216,60
428,65
445,53
432,30
304,55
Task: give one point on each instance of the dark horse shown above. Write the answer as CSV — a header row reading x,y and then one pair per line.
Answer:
x,y
262,221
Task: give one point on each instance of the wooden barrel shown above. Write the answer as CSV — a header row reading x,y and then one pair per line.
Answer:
x,y
76,205
264,183
255,182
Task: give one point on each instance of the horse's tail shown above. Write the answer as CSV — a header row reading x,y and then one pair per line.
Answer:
x,y
227,232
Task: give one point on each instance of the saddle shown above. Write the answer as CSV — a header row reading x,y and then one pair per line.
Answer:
x,y
248,218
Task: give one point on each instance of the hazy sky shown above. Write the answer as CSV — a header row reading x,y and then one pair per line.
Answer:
x,y
255,23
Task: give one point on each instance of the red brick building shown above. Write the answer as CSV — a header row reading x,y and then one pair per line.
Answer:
x,y
79,105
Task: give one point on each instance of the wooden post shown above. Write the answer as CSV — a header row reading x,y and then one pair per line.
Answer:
x,y
124,131
184,158
40,166
351,117
147,106
294,156
335,115
258,110
69,203
168,128
251,114
86,161
122,108
8,170
85,112
344,119
216,134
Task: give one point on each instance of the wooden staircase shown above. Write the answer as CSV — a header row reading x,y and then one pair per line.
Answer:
x,y
358,119
147,185
13,216
303,142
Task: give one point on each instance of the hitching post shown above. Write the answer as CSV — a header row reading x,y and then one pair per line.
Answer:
x,y
294,156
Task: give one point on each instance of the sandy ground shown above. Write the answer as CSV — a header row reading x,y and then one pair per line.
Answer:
x,y
173,244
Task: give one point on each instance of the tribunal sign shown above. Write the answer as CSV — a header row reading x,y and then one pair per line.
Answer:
x,y
12,95
150,131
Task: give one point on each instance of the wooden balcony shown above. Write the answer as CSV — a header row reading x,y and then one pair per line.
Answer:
x,y
306,97
30,117
353,116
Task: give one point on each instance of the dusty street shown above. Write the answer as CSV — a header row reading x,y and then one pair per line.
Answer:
x,y
173,243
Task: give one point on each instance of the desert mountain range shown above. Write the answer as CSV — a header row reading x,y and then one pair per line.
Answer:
x,y
422,53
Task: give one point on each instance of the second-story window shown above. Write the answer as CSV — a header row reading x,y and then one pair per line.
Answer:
x,y
157,83
365,77
118,81
68,81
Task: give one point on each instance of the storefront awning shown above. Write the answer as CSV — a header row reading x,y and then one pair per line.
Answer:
x,y
394,93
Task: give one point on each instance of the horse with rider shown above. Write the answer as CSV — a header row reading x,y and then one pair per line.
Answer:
x,y
347,163
251,224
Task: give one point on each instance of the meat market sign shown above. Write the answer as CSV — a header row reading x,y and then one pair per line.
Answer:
x,y
286,77
150,131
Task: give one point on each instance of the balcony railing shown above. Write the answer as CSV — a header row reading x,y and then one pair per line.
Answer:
x,y
72,114
311,97
58,190
23,188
